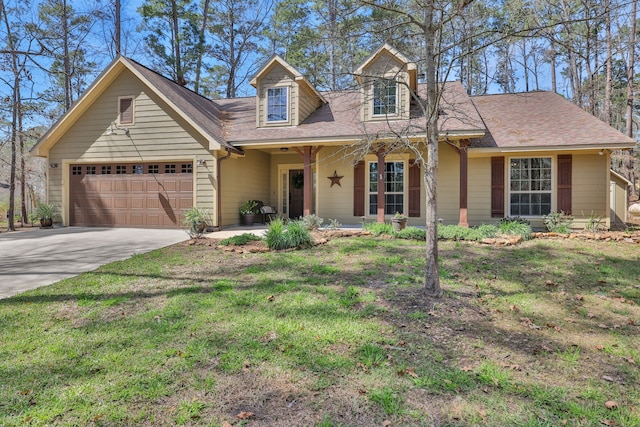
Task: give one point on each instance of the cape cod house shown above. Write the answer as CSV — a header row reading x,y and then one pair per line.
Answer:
x,y
137,149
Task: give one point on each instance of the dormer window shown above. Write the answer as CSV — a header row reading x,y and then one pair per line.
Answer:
x,y
385,98
277,104
125,110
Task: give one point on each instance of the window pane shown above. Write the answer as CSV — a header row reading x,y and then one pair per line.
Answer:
x,y
277,104
394,187
530,186
384,97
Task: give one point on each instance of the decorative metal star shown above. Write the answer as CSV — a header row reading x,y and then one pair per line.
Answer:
x,y
335,179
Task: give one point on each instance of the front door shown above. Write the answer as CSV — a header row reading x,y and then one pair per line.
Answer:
x,y
296,193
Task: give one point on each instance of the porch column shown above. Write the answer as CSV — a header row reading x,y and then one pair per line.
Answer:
x,y
308,181
464,168
381,173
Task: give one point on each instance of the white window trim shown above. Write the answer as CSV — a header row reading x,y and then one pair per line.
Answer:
x,y
405,186
266,105
133,108
553,183
373,100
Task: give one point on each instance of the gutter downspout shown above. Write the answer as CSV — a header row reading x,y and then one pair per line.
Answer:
x,y
219,192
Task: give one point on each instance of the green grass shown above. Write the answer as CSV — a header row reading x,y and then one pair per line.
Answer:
x,y
338,334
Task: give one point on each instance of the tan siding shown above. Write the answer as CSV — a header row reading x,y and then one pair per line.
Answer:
x,y
479,191
620,197
245,178
590,193
308,102
448,184
157,134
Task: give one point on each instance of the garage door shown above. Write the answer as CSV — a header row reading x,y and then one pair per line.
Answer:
x,y
147,195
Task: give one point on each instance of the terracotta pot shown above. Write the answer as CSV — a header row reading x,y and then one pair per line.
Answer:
x,y
398,223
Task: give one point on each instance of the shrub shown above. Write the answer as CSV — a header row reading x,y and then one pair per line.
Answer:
x,y
456,232
558,222
312,222
196,219
334,224
240,240
285,236
594,223
411,233
377,228
515,227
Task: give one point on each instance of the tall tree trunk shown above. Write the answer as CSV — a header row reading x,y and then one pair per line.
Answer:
x,y
432,279
607,84
201,44
118,31
554,82
630,70
176,44
23,172
66,59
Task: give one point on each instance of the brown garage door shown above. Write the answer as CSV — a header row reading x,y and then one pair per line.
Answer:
x,y
147,195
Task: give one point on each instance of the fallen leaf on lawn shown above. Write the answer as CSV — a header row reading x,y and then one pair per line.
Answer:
x,y
226,424
386,423
591,315
630,360
271,297
550,283
569,319
599,347
608,378
362,392
580,297
483,414
602,282
608,422
402,343
361,365
602,326
97,417
411,372
244,415
514,308
611,404
631,322
553,326
467,368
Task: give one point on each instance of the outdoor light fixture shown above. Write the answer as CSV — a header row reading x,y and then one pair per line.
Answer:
x,y
113,128
202,162
284,149
601,153
53,165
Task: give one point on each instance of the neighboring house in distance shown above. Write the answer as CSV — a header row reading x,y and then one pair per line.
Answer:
x,y
137,149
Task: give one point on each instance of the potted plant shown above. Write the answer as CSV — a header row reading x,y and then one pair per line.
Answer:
x,y
399,221
248,211
196,219
45,213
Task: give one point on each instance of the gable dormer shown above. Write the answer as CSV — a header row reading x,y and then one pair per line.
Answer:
x,y
284,97
386,81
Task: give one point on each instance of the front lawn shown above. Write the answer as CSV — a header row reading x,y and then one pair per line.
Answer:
x,y
540,334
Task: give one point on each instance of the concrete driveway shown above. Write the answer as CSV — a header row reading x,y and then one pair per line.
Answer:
x,y
30,259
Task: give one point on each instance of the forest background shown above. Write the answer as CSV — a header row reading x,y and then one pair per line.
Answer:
x,y
585,50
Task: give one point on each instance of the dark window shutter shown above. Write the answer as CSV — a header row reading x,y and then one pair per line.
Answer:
x,y
414,189
358,189
497,187
564,183
126,110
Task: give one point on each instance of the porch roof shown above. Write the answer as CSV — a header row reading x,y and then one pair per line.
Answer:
x,y
542,119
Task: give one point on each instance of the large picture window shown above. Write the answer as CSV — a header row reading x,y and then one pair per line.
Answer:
x,y
277,105
530,186
385,97
394,187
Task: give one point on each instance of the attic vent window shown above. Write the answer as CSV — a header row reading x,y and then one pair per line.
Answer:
x,y
277,104
125,110
385,97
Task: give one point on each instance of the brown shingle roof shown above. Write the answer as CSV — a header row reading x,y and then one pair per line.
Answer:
x,y
542,119
204,112
340,118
